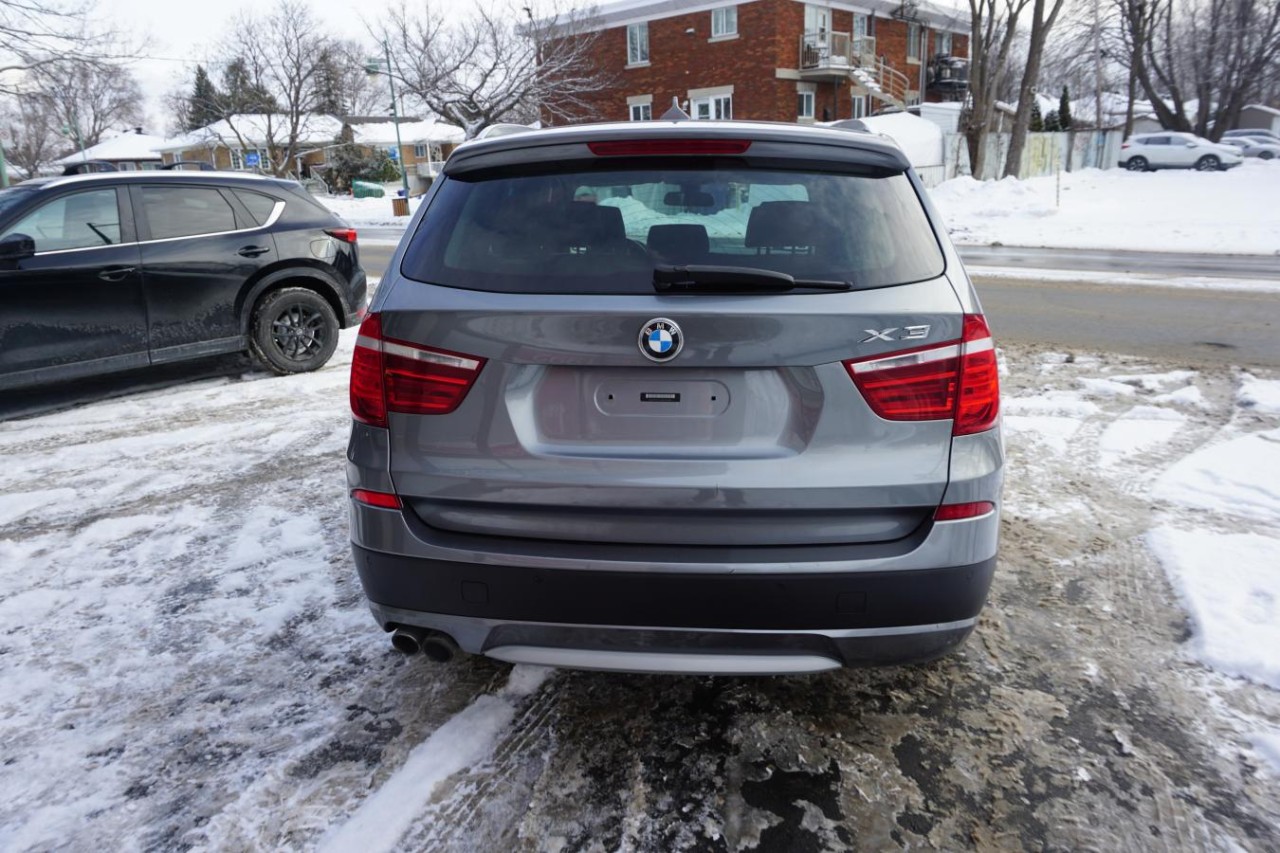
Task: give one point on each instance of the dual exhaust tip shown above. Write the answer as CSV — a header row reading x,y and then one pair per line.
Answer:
x,y
410,639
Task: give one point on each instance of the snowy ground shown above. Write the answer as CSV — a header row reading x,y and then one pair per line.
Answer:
x,y
1230,212
188,661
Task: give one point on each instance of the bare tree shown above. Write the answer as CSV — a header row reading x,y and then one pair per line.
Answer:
x,y
28,131
1044,13
272,65
37,33
1200,61
93,97
497,64
993,28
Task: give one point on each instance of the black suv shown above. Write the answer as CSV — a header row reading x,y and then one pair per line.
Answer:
x,y
112,271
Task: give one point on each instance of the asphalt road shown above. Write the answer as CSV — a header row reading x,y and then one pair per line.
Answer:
x,y
1192,325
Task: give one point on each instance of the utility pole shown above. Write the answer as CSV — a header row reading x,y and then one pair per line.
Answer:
x,y
1099,134
371,67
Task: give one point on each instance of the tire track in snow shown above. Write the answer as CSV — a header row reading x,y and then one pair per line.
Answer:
x,y
463,741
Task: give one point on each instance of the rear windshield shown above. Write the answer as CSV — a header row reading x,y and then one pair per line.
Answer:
x,y
604,231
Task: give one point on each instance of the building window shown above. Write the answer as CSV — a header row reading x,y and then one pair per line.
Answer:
x,y
859,106
718,107
724,22
913,42
126,167
804,105
942,43
642,112
860,26
255,158
638,43
419,152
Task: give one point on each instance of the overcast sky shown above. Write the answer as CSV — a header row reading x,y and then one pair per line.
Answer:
x,y
184,35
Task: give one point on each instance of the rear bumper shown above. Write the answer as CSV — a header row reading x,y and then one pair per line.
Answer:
x,y
653,621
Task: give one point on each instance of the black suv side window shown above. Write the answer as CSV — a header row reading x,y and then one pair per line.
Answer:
x,y
259,206
186,211
74,221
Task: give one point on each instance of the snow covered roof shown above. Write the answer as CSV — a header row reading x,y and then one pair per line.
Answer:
x,y
128,146
316,130
411,133
1263,108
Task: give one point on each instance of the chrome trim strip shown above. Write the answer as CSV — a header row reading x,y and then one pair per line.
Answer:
x,y
664,662
276,213
431,357
910,359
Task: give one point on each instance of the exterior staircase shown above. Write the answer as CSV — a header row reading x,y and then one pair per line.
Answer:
x,y
831,56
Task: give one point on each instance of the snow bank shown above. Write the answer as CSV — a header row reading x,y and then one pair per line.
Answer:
x,y
1260,395
1240,477
1230,584
368,211
1140,429
920,139
1172,211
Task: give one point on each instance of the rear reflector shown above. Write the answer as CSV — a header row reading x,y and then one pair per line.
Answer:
x,y
346,235
956,379
383,500
660,147
388,375
955,512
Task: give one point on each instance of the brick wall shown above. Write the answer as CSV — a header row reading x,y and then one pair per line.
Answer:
x,y
768,40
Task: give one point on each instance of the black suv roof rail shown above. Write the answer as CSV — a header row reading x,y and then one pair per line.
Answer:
x,y
89,166
202,165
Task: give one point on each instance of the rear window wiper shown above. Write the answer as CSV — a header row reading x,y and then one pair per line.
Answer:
x,y
698,278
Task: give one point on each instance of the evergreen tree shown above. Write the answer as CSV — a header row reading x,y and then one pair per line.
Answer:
x,y
1064,110
204,105
1051,124
1037,122
329,85
241,94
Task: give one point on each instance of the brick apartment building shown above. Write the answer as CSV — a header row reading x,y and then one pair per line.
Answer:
x,y
778,60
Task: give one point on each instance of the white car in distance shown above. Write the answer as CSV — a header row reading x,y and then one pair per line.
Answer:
x,y
1171,150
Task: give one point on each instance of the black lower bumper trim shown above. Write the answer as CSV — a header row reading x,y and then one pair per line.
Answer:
x,y
781,601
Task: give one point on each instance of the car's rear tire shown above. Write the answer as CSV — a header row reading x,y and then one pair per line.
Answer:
x,y
1266,155
1136,164
1208,163
293,330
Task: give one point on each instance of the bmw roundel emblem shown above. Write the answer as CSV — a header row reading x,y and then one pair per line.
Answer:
x,y
661,339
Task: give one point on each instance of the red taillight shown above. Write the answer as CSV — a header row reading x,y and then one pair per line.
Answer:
x,y
1124,145
979,402
660,147
367,401
388,375
382,500
956,380
956,512
346,235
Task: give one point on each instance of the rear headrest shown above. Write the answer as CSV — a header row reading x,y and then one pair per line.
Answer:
x,y
580,223
678,241
784,223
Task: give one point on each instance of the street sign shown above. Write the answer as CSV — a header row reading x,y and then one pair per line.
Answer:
x,y
393,153
251,158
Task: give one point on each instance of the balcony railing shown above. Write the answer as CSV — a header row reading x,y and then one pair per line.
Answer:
x,y
835,51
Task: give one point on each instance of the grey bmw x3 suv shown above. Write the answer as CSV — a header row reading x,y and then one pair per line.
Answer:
x,y
676,397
